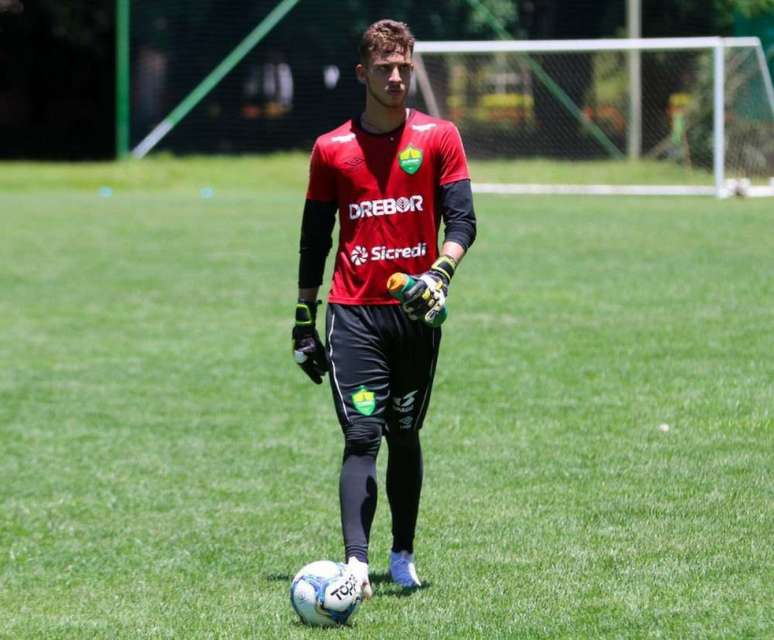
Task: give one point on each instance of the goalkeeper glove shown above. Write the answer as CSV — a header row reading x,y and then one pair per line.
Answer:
x,y
308,351
427,297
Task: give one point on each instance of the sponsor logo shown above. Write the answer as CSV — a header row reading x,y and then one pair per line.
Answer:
x,y
391,253
345,589
386,207
346,138
405,404
359,255
404,407
410,159
364,401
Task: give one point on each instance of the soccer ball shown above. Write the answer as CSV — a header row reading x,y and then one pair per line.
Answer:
x,y
325,593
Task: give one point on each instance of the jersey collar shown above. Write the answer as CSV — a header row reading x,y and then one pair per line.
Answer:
x,y
359,128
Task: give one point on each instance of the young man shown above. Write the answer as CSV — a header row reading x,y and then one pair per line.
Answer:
x,y
393,174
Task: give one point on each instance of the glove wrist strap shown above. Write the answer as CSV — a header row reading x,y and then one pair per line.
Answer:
x,y
306,312
445,266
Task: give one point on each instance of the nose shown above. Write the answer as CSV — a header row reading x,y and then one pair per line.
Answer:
x,y
395,74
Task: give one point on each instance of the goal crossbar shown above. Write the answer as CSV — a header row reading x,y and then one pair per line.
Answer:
x,y
715,44
594,44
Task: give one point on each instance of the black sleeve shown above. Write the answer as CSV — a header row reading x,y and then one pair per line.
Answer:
x,y
458,216
316,229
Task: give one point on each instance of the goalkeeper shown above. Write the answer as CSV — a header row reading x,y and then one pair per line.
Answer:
x,y
393,174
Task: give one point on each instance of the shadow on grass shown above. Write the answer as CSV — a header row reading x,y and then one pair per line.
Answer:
x,y
385,587
279,577
382,583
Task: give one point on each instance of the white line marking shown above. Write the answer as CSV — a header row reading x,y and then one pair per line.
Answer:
x,y
333,364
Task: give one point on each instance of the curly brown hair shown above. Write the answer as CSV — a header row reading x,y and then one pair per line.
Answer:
x,y
386,36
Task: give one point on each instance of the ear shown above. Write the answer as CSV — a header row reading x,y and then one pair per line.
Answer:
x,y
360,72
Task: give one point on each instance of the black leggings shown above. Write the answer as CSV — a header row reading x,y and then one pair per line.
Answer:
x,y
358,492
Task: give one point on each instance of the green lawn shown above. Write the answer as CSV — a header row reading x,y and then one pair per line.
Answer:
x,y
289,170
165,468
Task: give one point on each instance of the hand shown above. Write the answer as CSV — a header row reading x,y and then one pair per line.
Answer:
x,y
428,295
308,351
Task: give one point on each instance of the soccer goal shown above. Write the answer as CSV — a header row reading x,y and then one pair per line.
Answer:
x,y
665,116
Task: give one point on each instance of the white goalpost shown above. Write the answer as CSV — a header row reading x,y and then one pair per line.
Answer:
x,y
704,122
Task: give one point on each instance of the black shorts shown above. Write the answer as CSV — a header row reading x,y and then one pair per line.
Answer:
x,y
382,365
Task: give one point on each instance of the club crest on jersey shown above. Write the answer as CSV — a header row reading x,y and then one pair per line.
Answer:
x,y
364,401
410,159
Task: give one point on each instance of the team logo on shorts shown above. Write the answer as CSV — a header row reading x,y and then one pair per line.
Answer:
x,y
364,401
359,255
410,159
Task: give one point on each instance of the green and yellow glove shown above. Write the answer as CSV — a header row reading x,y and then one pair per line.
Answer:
x,y
427,297
308,351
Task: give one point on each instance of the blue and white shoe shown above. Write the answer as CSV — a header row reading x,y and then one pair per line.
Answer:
x,y
360,569
403,571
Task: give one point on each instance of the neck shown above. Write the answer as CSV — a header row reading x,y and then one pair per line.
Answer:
x,y
380,119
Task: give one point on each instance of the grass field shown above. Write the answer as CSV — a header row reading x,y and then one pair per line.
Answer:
x,y
165,468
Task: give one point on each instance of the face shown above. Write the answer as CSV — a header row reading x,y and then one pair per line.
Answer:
x,y
387,77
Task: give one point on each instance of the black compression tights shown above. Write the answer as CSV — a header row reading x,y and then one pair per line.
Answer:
x,y
357,488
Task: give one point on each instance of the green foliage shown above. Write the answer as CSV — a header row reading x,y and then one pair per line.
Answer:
x,y
717,15
166,468
748,8
487,18
609,81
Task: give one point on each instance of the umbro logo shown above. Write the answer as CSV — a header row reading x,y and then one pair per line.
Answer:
x,y
353,163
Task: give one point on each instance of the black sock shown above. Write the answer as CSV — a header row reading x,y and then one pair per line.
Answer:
x,y
404,486
357,494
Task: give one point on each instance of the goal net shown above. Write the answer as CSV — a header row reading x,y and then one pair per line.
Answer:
x,y
679,116
238,77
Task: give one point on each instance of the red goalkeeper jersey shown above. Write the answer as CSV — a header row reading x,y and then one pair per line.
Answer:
x,y
386,187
